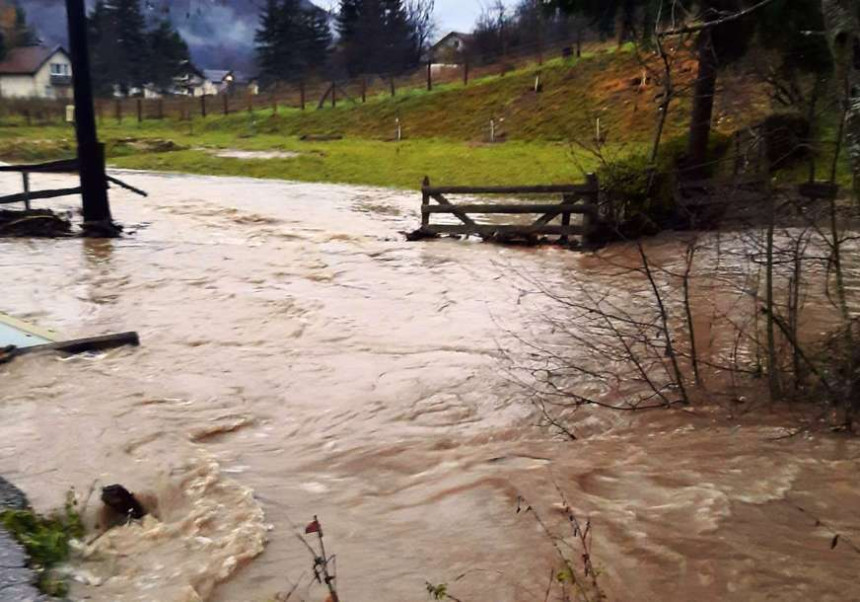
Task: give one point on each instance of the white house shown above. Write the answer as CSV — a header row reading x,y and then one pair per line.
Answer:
x,y
36,72
216,81
451,49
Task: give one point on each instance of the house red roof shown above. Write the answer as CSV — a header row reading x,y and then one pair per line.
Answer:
x,y
27,60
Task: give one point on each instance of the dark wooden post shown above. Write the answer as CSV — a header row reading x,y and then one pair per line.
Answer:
x,y
90,152
226,104
466,72
26,177
391,83
139,110
302,94
118,110
429,76
274,103
160,108
425,201
333,94
363,90
589,218
203,105
567,201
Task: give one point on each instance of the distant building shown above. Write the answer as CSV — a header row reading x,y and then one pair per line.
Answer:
x,y
451,49
216,81
245,84
36,72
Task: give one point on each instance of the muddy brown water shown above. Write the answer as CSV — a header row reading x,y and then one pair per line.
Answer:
x,y
299,358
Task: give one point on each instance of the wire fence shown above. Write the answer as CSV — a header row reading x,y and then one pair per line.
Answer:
x,y
313,93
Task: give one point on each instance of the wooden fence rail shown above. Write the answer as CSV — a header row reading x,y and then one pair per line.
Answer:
x,y
62,166
575,200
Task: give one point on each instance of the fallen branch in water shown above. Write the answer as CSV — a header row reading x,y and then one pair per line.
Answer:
x,y
324,567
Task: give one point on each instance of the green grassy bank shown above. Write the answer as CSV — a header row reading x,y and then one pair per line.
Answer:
x,y
446,131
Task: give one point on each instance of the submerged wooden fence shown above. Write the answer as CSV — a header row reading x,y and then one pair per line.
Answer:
x,y
575,200
63,166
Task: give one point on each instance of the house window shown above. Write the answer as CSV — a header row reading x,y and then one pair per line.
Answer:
x,y
59,69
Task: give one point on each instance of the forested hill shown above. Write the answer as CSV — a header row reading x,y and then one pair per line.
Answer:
x,y
218,32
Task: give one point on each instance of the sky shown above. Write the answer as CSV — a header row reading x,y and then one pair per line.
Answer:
x,y
459,15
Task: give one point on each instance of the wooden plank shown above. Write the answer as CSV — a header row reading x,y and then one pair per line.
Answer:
x,y
102,343
39,194
510,209
443,201
489,229
122,184
66,165
581,189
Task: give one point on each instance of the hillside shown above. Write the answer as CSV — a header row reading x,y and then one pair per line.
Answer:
x,y
574,95
446,131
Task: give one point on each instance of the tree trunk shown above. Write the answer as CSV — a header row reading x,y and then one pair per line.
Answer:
x,y
842,19
703,107
843,31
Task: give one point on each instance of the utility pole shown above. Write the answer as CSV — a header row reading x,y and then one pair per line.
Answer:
x,y
90,153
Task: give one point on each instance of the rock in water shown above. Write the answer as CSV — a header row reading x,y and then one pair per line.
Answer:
x,y
12,498
122,501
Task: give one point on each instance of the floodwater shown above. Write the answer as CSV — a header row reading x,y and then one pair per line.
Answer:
x,y
299,358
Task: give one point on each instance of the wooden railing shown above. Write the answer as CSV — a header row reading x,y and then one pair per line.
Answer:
x,y
63,166
575,200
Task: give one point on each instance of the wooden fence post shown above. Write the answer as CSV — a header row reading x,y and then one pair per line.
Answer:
x,y
425,200
334,95
565,217
160,108
302,94
429,76
203,105
589,218
391,83
139,110
466,72
26,177
226,104
363,90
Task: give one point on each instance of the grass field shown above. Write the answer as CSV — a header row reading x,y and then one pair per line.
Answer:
x,y
350,160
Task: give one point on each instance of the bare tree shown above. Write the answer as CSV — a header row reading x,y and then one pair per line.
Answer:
x,y
843,28
420,14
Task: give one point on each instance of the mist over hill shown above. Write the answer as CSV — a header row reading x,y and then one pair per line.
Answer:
x,y
220,33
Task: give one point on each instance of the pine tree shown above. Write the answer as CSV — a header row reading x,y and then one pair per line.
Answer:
x,y
316,40
124,55
23,35
104,60
291,42
376,36
168,52
268,39
130,28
